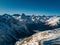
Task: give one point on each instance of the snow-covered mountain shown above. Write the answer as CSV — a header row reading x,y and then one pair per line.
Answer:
x,y
15,27
53,21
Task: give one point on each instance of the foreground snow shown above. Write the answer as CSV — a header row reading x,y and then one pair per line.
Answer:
x,y
40,37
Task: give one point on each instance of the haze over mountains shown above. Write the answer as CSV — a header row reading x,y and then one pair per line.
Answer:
x,y
15,27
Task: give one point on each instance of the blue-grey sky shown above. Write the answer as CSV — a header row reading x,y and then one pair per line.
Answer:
x,y
47,7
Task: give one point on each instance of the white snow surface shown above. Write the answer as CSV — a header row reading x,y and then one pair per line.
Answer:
x,y
40,37
53,21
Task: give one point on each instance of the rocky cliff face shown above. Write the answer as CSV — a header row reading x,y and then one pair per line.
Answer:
x,y
41,38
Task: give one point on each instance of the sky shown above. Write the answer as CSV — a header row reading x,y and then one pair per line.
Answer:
x,y
37,7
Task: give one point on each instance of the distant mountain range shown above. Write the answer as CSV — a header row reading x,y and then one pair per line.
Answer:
x,y
15,27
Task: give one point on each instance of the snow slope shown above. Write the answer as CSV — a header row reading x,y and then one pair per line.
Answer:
x,y
40,37
53,21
